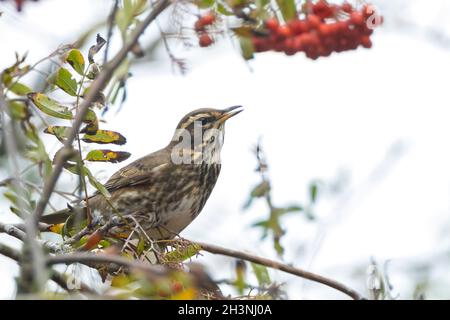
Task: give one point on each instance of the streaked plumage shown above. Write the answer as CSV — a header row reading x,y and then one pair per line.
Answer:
x,y
165,196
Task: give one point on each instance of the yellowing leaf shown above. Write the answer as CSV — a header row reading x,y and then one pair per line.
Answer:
x,y
187,294
183,253
56,228
107,156
60,132
66,82
91,119
49,106
121,281
76,60
105,137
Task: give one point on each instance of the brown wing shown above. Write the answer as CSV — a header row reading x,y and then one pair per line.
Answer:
x,y
140,171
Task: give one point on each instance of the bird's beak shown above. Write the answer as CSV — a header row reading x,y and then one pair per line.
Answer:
x,y
228,113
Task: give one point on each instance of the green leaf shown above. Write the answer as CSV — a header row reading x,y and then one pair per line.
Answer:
x,y
60,132
278,247
239,283
107,156
282,211
261,189
91,119
75,169
247,48
20,89
222,9
182,253
261,4
49,106
313,191
203,4
262,274
243,31
66,82
76,60
288,9
105,137
18,110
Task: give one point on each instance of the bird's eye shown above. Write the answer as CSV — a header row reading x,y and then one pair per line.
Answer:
x,y
207,120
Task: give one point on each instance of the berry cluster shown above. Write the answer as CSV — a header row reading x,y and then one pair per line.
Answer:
x,y
201,25
326,28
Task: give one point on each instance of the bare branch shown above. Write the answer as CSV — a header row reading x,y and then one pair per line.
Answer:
x,y
57,277
280,266
89,259
17,232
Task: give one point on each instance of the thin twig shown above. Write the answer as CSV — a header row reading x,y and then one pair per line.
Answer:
x,y
280,266
111,21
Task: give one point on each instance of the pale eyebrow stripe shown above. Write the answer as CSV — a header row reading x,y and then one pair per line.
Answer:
x,y
192,119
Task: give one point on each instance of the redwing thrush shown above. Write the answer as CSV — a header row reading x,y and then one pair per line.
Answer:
x,y
165,191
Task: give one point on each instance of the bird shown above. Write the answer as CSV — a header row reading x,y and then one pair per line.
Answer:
x,y
164,191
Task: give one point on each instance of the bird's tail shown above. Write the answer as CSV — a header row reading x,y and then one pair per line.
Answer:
x,y
61,216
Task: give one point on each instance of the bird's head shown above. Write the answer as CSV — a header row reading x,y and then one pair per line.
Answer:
x,y
199,135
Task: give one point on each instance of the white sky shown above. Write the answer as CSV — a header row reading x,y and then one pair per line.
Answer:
x,y
316,119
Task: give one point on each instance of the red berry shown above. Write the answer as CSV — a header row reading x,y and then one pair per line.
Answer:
x,y
260,44
289,46
278,46
313,21
366,42
347,7
284,32
198,26
207,19
177,287
272,24
312,54
298,27
323,9
298,43
342,27
330,43
325,30
205,40
357,18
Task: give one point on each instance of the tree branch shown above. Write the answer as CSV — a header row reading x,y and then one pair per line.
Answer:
x,y
55,276
18,233
89,259
280,266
